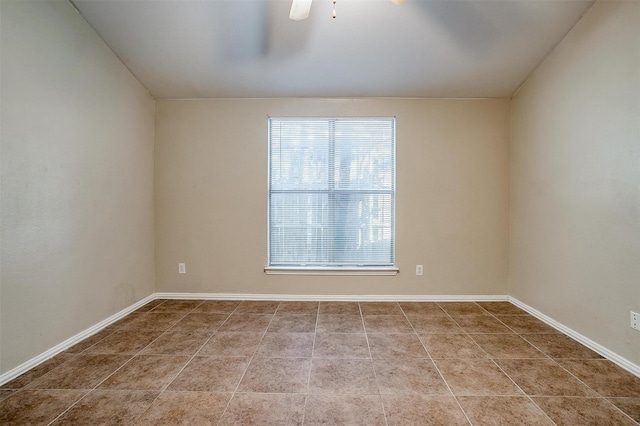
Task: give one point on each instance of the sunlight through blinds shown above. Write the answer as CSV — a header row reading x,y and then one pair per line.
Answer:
x,y
331,192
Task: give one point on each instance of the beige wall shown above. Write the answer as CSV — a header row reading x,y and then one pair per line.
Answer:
x,y
77,180
575,180
451,208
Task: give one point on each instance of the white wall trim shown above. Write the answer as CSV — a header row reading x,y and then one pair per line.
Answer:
x,y
364,271
596,347
336,297
61,347
33,362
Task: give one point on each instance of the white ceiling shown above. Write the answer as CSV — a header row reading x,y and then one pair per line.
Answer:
x,y
183,49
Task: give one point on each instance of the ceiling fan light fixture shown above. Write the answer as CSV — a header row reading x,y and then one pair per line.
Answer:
x,y
300,9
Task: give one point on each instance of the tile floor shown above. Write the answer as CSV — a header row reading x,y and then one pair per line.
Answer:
x,y
331,363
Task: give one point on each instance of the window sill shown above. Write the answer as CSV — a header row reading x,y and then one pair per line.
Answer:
x,y
292,270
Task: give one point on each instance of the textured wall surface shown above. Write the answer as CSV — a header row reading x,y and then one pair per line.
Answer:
x,y
451,207
77,240
575,180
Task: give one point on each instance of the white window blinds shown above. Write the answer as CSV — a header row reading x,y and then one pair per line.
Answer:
x,y
331,192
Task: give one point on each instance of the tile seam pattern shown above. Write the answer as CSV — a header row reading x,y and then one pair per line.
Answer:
x,y
385,324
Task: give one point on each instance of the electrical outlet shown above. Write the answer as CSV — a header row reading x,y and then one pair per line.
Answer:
x,y
418,269
635,320
182,268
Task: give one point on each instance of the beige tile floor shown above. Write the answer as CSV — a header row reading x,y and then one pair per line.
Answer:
x,y
279,363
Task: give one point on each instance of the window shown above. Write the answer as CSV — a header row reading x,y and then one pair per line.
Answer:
x,y
331,194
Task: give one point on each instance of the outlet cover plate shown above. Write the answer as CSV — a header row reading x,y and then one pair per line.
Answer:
x,y
635,320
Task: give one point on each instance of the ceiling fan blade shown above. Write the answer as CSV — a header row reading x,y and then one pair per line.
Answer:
x,y
300,9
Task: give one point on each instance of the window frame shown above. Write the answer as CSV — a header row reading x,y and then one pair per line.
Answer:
x,y
331,269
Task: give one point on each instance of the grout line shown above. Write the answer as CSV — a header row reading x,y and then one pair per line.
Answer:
x,y
502,370
375,373
313,348
505,373
150,343
116,370
235,391
203,345
489,357
599,395
164,388
555,362
469,335
69,407
521,390
434,363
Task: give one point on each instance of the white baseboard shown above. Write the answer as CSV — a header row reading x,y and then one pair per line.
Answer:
x,y
33,362
61,347
335,297
596,347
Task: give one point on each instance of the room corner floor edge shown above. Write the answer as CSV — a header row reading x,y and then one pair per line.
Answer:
x,y
61,347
